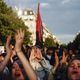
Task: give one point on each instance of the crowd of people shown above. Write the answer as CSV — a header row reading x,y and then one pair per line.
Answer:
x,y
21,62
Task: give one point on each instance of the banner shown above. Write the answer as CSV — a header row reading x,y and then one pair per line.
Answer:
x,y
39,29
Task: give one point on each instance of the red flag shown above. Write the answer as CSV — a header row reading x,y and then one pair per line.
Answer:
x,y
39,29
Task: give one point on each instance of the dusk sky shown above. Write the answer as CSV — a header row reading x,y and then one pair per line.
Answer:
x,y
62,17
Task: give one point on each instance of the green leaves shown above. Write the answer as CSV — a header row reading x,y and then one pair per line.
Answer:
x,y
9,23
49,41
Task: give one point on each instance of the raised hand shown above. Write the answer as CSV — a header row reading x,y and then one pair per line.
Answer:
x,y
19,37
8,49
8,40
9,53
32,55
35,54
39,54
64,58
56,59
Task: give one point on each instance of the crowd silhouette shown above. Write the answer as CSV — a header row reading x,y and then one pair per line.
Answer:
x,y
21,62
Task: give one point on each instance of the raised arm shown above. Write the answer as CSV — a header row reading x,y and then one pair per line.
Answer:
x,y
8,51
19,36
54,68
64,59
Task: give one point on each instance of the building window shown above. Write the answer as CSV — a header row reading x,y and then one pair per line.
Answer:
x,y
26,19
25,12
31,13
31,19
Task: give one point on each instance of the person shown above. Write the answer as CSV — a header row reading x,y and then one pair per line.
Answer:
x,y
39,63
19,37
17,71
50,55
52,71
58,71
4,71
73,70
70,71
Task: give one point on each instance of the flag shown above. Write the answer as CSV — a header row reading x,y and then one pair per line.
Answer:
x,y
39,28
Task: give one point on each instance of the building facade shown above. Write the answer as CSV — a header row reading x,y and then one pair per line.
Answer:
x,y
29,18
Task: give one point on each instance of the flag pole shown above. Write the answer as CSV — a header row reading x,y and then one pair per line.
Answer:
x,y
38,1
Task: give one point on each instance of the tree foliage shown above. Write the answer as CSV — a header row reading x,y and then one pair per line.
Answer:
x,y
49,41
77,41
75,44
9,23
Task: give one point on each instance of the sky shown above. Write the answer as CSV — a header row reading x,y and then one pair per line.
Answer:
x,y
62,17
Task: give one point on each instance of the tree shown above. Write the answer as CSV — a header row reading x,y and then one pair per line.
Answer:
x,y
9,23
49,41
76,41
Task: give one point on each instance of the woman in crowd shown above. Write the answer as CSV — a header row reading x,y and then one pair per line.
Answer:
x,y
42,66
73,70
67,70
19,36
16,70
39,64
